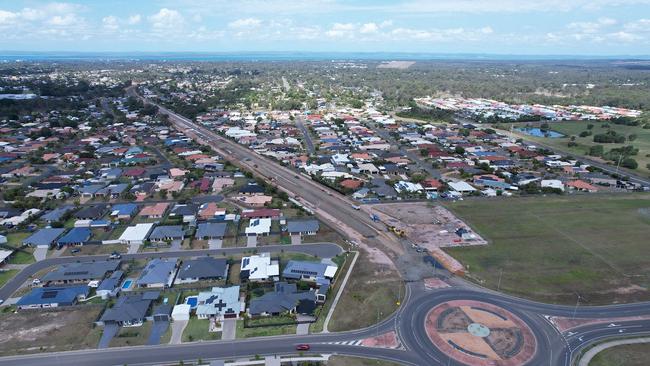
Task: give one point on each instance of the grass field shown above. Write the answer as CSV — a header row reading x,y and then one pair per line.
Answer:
x,y
132,336
642,142
5,276
264,331
552,248
49,331
371,293
628,355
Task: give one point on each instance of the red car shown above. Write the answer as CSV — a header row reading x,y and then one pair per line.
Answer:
x,y
302,347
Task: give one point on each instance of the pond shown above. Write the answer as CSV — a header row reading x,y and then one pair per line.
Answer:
x,y
539,133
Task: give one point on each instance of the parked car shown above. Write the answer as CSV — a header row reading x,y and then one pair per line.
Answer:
x,y
302,347
115,255
36,282
75,250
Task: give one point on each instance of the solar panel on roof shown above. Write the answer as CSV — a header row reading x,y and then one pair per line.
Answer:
x,y
49,294
77,273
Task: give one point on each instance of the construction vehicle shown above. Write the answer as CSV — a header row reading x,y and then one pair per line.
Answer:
x,y
396,231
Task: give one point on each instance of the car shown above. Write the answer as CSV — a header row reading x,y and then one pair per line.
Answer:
x,y
1,301
115,255
75,250
296,176
302,347
36,282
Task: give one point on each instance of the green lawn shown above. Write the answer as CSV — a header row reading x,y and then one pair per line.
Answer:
x,y
550,248
197,330
5,276
16,239
22,257
263,331
628,355
642,142
132,336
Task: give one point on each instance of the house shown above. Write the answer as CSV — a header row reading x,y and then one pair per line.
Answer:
x,y
255,201
461,187
129,310
408,187
200,269
76,236
57,214
309,271
135,234
52,297
581,185
110,286
181,312
262,213
258,268
80,272
167,233
187,211
285,298
91,212
258,227
303,227
44,238
211,230
210,211
124,211
552,184
155,211
158,273
219,303
5,255
251,189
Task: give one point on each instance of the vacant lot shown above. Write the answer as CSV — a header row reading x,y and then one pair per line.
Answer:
x,y
642,141
552,248
49,331
628,355
5,276
370,295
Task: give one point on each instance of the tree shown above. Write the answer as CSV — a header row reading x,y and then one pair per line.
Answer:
x,y
459,150
629,163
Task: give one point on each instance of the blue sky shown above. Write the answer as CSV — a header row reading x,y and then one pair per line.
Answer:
x,y
538,27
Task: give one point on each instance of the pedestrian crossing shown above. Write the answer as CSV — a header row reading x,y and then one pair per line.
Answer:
x,y
347,343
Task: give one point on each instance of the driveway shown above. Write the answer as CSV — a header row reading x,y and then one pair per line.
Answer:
x,y
215,243
157,330
133,248
303,328
296,239
110,330
176,245
40,254
229,329
178,326
251,241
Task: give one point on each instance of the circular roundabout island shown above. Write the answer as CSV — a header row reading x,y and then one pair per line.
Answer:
x,y
479,333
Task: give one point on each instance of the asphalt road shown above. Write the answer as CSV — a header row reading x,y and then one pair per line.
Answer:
x,y
322,250
309,144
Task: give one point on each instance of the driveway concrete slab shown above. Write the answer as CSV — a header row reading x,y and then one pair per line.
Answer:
x,y
175,245
40,254
215,243
303,328
157,330
229,330
178,326
133,248
251,241
110,330
296,239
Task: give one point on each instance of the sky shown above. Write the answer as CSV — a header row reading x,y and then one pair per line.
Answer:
x,y
519,27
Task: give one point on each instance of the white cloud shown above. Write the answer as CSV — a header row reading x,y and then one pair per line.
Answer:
x,y
134,19
369,28
167,19
245,23
63,20
110,23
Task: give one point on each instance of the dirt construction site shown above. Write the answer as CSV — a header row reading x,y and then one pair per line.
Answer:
x,y
428,227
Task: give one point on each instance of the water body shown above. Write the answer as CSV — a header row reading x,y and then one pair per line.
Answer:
x,y
539,133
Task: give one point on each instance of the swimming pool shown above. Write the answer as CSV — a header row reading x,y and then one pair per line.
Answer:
x,y
192,301
126,284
